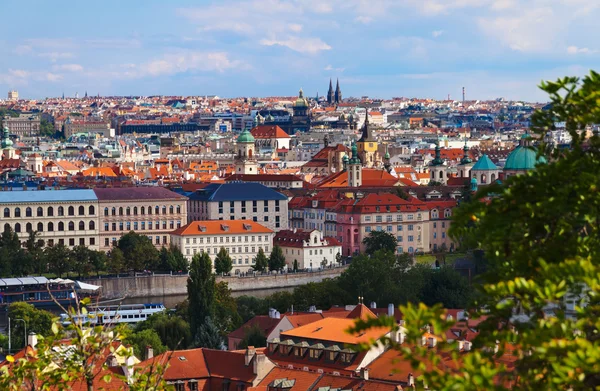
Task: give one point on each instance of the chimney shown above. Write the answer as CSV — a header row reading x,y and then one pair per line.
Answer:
x,y
431,342
373,305
32,339
461,345
411,380
364,373
250,352
401,337
149,352
111,361
390,309
262,366
467,346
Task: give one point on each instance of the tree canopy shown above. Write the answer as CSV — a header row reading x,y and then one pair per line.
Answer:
x,y
223,263
201,291
380,240
261,262
277,259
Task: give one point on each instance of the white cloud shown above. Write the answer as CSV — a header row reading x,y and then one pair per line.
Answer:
x,y
183,61
295,27
55,56
68,68
578,50
364,19
301,45
331,68
437,33
49,76
23,49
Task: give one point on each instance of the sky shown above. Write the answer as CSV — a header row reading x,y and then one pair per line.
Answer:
x,y
232,48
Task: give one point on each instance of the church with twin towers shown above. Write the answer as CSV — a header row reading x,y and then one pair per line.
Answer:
x,y
334,98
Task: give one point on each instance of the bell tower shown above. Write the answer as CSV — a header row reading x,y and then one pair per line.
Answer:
x,y
245,160
367,145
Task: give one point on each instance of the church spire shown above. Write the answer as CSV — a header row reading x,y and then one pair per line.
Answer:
x,y
366,130
466,159
338,92
330,95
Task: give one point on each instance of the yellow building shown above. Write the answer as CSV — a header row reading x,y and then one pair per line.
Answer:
x,y
367,146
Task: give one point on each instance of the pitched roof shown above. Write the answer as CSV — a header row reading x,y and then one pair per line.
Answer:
x,y
361,312
236,191
264,322
136,193
303,381
371,177
269,131
297,238
47,196
221,227
333,330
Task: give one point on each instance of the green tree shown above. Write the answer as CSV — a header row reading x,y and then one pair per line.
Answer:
x,y
277,259
338,258
250,306
46,128
173,330
172,259
142,339
208,335
81,260
98,261
541,236
226,317
201,291
223,263
59,259
11,253
138,251
38,322
380,240
35,254
261,262
116,261
253,336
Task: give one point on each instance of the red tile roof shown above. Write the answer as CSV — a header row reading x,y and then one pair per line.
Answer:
x,y
264,322
268,131
221,227
289,238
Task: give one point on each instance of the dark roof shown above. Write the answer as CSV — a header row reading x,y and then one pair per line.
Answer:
x,y
236,191
136,193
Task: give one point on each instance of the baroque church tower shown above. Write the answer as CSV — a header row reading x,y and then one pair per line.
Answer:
x,y
367,145
245,161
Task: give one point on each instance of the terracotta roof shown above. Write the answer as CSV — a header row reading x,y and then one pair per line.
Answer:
x,y
268,131
263,322
289,238
361,312
333,330
371,177
303,381
302,319
220,227
136,193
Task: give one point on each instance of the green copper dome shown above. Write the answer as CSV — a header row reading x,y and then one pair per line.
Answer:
x,y
524,157
301,101
484,164
245,137
6,141
354,159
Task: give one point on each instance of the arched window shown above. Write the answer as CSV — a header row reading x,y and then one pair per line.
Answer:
x,y
28,227
61,226
71,211
6,212
411,250
92,225
81,210
441,174
50,211
61,211
17,212
105,211
28,212
40,227
142,210
114,211
71,226
91,210
17,227
128,211
178,209
164,210
157,210
120,211
135,211
50,226
171,209
81,226
40,211
6,227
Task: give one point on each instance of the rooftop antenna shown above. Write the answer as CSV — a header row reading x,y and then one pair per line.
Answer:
x,y
463,93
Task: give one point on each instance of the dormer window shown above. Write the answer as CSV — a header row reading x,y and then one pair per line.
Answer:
x,y
315,351
347,355
282,384
300,349
273,345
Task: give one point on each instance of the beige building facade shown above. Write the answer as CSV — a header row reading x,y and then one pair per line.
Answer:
x,y
23,125
151,211
82,126
309,248
241,239
68,217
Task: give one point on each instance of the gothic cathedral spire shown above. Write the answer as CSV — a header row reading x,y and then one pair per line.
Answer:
x,y
338,92
330,95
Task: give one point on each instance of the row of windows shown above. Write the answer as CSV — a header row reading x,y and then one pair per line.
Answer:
x,y
50,227
49,212
230,250
128,211
390,218
443,235
141,225
254,218
226,239
390,228
70,242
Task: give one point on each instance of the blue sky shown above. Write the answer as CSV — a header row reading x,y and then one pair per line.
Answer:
x,y
379,48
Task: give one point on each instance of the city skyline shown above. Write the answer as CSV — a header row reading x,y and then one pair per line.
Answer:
x,y
424,49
